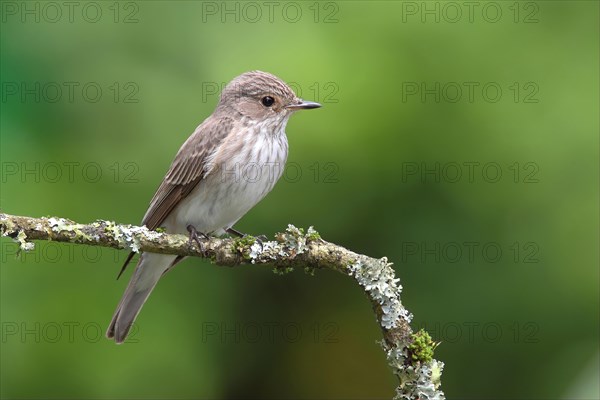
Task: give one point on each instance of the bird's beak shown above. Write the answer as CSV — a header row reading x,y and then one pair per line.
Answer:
x,y
303,105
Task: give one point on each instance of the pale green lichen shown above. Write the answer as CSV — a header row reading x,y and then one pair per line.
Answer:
x,y
379,281
436,373
292,241
288,244
64,225
264,250
113,230
418,380
10,226
129,236
24,245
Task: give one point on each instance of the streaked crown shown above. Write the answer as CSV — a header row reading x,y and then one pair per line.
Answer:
x,y
260,96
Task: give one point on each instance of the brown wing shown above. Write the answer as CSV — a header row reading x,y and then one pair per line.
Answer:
x,y
186,171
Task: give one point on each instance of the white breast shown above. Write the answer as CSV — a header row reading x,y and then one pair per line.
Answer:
x,y
239,179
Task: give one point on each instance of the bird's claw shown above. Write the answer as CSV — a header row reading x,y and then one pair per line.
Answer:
x,y
195,237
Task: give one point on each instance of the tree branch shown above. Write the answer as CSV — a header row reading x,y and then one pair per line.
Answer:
x,y
409,354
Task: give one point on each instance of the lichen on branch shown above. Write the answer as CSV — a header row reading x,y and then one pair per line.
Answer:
x,y
409,354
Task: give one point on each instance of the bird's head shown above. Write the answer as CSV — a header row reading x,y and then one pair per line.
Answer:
x,y
261,97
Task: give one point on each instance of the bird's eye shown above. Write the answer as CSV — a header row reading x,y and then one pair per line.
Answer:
x,y
267,101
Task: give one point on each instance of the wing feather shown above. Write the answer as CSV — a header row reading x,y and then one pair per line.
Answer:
x,y
186,171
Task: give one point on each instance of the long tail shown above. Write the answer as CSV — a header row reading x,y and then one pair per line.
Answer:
x,y
148,271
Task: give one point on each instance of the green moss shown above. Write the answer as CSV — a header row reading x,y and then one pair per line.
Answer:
x,y
422,347
160,229
242,245
282,270
312,236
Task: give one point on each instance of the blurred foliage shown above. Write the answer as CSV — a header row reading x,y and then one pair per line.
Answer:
x,y
522,323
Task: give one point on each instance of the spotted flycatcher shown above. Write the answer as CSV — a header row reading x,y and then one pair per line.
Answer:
x,y
230,162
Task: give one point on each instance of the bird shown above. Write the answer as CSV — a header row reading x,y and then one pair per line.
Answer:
x,y
230,162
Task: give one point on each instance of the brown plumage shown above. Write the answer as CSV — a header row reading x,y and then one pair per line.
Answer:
x,y
205,186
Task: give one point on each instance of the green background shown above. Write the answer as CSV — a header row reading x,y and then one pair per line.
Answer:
x,y
520,324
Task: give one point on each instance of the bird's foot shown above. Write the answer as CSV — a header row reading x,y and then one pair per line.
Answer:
x,y
195,237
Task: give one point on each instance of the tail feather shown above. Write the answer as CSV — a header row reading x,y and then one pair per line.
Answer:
x,y
148,271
